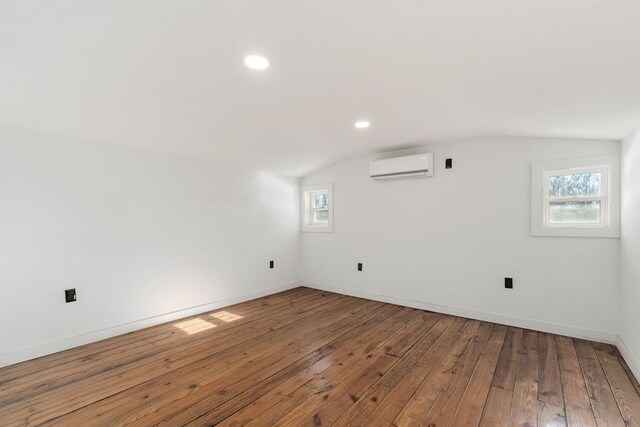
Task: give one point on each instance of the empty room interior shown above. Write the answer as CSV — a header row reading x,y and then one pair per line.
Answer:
x,y
349,213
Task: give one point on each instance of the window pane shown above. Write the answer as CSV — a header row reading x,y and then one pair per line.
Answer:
x,y
584,184
574,212
321,216
320,201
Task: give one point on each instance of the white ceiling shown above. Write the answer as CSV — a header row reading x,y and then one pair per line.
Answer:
x,y
169,75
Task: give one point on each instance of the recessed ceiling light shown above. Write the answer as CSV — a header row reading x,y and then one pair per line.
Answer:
x,y
256,62
362,124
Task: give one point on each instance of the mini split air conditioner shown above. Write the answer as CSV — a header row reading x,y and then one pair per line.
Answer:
x,y
417,166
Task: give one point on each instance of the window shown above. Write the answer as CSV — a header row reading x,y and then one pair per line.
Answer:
x,y
576,198
317,209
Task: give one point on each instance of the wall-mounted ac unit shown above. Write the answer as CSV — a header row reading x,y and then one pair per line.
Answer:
x,y
417,166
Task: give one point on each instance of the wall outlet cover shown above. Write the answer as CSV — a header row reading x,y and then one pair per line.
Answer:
x,y
70,295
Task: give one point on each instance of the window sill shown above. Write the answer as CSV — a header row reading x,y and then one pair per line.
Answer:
x,y
312,229
597,232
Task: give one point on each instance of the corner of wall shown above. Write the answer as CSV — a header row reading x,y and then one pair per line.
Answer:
x,y
629,286
629,357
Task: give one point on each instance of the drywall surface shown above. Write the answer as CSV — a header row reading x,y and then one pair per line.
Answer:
x,y
140,236
630,252
446,243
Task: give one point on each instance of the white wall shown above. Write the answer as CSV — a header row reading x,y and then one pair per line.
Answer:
x,y
630,253
146,238
139,235
447,242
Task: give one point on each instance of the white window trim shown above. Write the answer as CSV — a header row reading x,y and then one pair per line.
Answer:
x,y
306,209
609,226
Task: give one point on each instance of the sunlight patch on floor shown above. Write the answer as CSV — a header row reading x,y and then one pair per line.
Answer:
x,y
225,316
194,326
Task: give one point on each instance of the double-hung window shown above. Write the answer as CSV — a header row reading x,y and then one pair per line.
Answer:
x,y
576,197
317,208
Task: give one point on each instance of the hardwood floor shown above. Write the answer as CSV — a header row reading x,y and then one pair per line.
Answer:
x,y
306,357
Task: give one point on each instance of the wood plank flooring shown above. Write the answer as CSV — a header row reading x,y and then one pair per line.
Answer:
x,y
307,357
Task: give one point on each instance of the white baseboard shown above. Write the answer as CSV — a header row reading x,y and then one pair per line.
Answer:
x,y
632,361
64,344
67,343
554,328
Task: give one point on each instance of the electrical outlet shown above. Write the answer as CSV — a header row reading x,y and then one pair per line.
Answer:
x,y
359,266
271,264
448,164
508,283
70,295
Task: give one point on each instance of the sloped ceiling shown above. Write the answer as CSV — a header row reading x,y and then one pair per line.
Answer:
x,y
169,75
